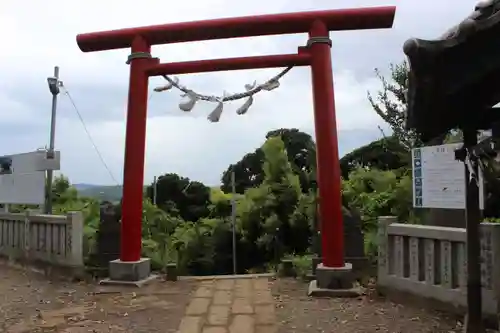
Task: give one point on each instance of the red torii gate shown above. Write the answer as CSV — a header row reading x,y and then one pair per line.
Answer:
x,y
316,54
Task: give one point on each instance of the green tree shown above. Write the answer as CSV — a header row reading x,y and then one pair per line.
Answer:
x,y
220,203
62,191
175,194
302,224
249,173
265,213
301,152
374,193
384,154
390,104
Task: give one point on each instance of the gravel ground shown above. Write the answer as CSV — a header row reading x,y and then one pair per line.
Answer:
x,y
30,303
299,313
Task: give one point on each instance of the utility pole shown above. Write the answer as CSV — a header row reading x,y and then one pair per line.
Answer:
x,y
54,85
474,317
154,190
233,218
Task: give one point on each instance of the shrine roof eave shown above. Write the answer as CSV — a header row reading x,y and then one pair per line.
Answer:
x,y
432,113
452,77
486,16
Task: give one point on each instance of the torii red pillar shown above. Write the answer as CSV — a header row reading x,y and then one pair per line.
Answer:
x,y
316,54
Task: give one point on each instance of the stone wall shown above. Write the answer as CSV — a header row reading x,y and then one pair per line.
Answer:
x,y
42,239
429,262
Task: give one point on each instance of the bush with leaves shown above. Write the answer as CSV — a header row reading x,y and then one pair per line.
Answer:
x,y
273,219
264,215
375,193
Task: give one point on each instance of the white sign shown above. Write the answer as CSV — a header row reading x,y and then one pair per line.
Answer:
x,y
439,179
28,188
32,161
22,177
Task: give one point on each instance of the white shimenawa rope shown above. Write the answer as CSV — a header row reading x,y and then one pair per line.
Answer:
x,y
251,89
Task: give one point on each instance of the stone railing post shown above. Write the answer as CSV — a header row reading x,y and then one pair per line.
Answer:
x,y
74,238
27,232
490,263
383,245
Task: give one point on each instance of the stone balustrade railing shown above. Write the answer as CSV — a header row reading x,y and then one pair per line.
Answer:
x,y
430,262
42,239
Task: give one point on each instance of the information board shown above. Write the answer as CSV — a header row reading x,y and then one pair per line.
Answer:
x,y
22,177
439,179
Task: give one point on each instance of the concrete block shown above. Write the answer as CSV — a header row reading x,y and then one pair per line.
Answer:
x,y
334,277
171,272
315,291
287,269
129,272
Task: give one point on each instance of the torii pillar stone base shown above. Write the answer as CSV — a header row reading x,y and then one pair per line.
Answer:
x,y
334,282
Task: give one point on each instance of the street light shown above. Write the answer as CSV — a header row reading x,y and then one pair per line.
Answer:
x,y
54,84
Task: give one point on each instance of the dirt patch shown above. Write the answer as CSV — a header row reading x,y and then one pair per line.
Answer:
x,y
30,303
298,313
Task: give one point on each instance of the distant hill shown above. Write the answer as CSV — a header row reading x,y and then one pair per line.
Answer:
x,y
111,193
102,192
83,186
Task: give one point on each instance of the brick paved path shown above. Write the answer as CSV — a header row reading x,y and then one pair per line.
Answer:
x,y
243,305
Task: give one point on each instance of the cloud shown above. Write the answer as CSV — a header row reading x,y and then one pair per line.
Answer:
x,y
188,144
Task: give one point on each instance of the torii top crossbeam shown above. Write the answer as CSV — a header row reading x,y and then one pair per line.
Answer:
x,y
246,26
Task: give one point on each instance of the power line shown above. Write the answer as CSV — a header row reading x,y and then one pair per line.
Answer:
x,y
90,136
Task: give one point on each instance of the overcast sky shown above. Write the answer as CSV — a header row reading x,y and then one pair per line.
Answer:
x,y
40,34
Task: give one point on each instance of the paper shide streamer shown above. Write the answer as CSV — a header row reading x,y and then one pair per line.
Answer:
x,y
190,97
